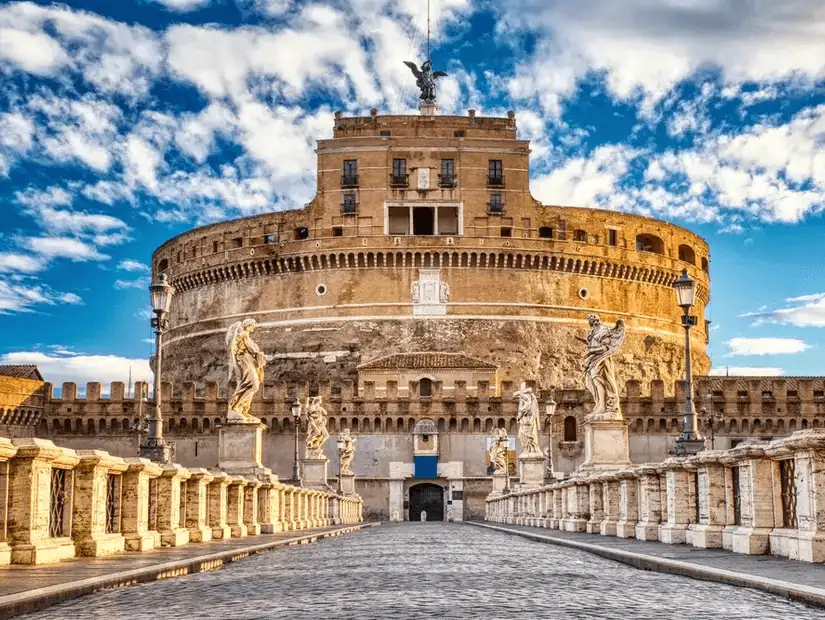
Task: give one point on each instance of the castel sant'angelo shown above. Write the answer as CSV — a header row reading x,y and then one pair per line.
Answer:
x,y
414,294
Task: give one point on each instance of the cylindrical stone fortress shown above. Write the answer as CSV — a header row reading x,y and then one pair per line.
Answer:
x,y
423,236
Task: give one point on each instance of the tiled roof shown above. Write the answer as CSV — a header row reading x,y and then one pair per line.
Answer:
x,y
427,360
21,371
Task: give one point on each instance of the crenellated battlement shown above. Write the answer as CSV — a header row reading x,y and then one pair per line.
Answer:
x,y
742,405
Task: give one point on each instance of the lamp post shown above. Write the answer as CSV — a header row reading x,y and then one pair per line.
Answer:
x,y
155,447
140,425
295,408
690,440
549,474
340,453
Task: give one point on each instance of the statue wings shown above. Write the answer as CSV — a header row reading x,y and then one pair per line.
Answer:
x,y
438,74
616,339
414,68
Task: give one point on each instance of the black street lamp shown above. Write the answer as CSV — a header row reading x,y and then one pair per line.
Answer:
x,y
155,447
690,440
295,408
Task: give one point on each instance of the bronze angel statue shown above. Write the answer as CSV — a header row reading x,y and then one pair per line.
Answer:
x,y
599,373
425,79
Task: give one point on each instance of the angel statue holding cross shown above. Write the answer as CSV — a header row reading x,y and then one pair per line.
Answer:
x,y
425,79
599,373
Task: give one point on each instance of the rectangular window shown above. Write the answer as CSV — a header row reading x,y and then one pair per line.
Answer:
x,y
495,172
215,247
447,176
270,238
384,133
238,241
337,231
348,206
506,231
612,237
496,205
399,172
349,176
447,221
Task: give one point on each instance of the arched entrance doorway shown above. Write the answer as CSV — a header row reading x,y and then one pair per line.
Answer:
x,y
429,497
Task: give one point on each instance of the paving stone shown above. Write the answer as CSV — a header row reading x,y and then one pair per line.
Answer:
x,y
430,571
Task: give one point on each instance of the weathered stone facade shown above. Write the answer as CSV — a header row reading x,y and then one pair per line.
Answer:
x,y
333,285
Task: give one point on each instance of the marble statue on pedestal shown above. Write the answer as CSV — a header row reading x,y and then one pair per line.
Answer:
x,y
347,450
317,433
246,367
599,373
528,422
498,451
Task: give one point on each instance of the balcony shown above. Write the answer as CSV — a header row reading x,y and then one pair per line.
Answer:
x,y
399,180
349,180
495,181
447,181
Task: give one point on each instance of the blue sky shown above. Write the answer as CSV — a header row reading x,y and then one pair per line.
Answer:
x,y
123,123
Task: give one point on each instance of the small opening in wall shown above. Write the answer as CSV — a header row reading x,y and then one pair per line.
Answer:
x,y
545,232
302,232
506,231
321,289
425,438
337,231
584,293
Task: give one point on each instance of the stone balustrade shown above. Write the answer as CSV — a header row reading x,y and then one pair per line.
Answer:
x,y
58,503
757,498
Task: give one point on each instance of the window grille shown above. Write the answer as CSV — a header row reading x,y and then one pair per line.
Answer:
x,y
182,521
153,505
57,504
787,480
349,176
399,172
348,207
112,504
447,176
496,204
737,499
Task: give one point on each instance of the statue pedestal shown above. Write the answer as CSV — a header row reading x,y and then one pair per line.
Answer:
x,y
606,446
315,473
531,470
240,446
428,109
499,484
348,484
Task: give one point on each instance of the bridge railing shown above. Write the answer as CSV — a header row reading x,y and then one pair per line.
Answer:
x,y
57,503
757,498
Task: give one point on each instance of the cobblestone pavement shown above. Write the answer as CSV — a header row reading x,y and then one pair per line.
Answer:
x,y
429,571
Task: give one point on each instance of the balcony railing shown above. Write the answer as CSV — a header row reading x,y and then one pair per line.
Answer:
x,y
495,180
495,207
349,208
349,180
399,180
447,180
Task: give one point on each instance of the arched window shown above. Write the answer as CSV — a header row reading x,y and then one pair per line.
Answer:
x,y
650,243
545,232
163,264
687,254
425,387
570,428
705,265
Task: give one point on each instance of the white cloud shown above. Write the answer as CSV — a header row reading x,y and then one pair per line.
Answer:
x,y
140,284
33,52
747,371
129,264
808,311
22,298
40,205
183,5
13,262
765,346
64,247
69,367
647,48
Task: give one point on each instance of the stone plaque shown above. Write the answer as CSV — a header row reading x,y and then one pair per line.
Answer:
x,y
429,293
423,178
